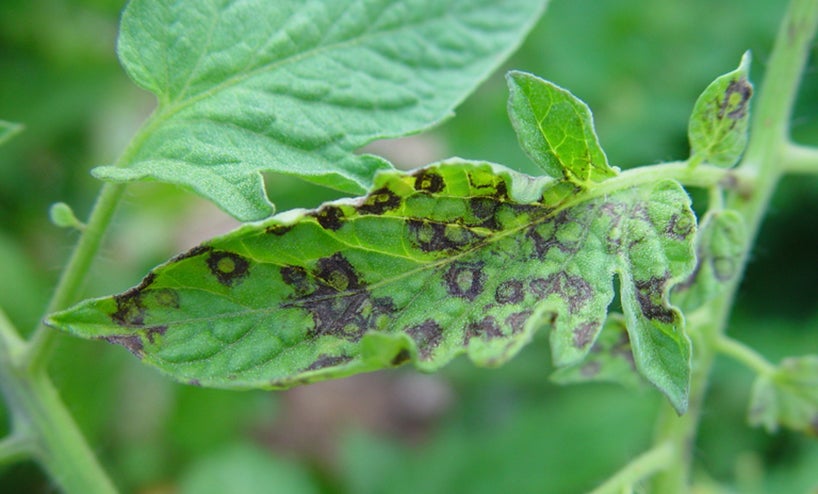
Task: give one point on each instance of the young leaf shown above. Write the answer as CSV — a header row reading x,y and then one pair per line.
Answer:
x,y
555,129
719,247
718,126
789,397
8,130
610,358
296,87
459,257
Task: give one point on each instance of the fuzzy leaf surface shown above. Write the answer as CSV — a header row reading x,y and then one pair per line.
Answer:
x,y
719,248
459,257
718,125
295,87
555,129
789,397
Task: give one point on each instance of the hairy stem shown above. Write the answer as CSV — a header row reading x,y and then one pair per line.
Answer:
x,y
769,141
742,353
648,463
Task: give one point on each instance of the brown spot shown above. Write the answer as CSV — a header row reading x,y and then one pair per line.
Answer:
x,y
429,181
430,236
745,90
380,201
427,336
584,334
650,295
330,217
465,279
724,268
484,210
544,236
401,358
278,230
574,289
337,299
198,250
228,267
152,332
486,328
194,382
680,226
166,297
509,292
517,321
590,369
325,361
131,343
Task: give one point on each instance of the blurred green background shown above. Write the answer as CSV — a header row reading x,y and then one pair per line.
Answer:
x,y
638,64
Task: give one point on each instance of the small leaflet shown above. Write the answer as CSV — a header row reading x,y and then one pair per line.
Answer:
x,y
717,130
556,129
610,359
456,258
788,397
720,246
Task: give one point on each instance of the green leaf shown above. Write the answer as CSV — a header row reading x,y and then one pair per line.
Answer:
x,y
720,246
555,129
788,397
296,87
718,126
459,257
610,359
8,130
245,469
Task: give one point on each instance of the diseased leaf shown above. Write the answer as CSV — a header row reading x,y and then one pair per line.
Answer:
x,y
459,257
718,126
296,87
720,245
789,397
610,358
8,130
555,129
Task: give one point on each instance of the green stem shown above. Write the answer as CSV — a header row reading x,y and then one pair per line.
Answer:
x,y
68,287
801,159
744,354
650,462
769,141
16,447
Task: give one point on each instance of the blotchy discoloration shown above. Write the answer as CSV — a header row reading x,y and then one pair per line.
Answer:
x,y
130,308
432,236
154,331
330,217
229,268
429,181
573,289
278,230
517,320
486,328
509,292
745,90
379,202
484,210
544,236
401,358
465,279
427,336
650,295
323,361
131,343
680,226
337,298
584,334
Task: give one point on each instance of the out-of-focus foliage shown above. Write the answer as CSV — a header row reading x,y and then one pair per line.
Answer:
x,y
639,65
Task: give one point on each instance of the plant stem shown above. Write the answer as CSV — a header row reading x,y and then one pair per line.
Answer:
x,y
75,271
769,140
648,463
801,159
744,354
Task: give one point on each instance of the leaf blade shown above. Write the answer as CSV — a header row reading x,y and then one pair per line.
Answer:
x,y
459,257
555,129
296,87
717,130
